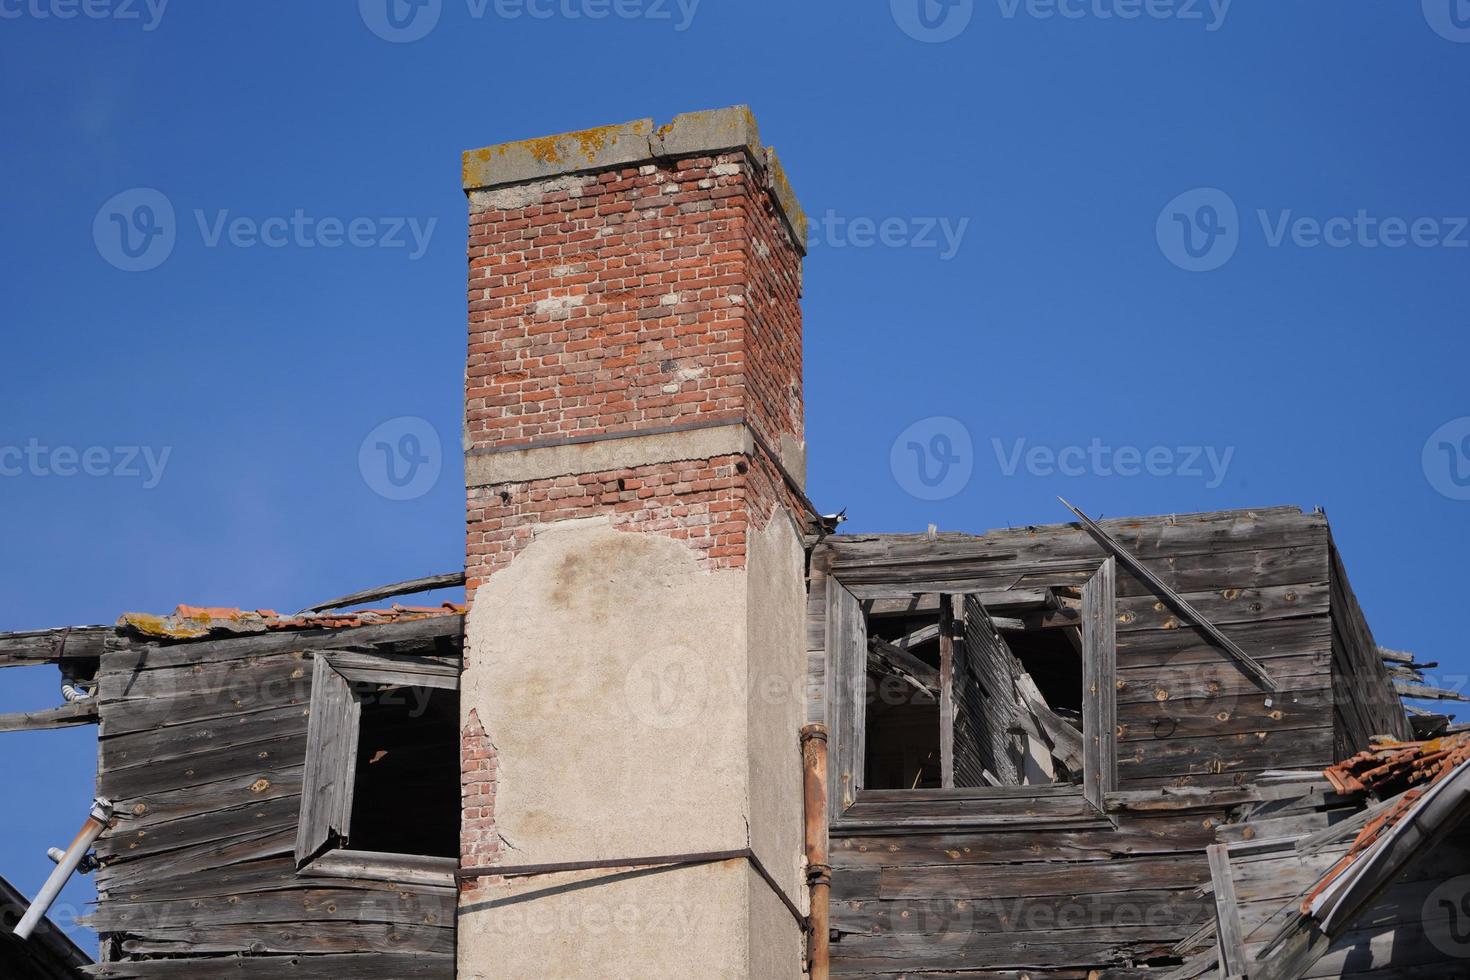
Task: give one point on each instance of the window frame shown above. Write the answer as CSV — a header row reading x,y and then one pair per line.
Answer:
x,y
847,659
329,780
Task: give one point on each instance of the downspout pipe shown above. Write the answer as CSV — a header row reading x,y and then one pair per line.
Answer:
x,y
818,868
91,830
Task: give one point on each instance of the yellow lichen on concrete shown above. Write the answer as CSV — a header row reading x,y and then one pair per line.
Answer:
x,y
150,625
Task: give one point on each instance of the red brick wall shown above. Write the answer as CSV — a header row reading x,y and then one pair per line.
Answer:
x,y
625,301
479,842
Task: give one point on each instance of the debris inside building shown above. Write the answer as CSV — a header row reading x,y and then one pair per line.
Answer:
x,y
682,726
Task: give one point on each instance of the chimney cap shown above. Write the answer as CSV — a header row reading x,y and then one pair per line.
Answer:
x,y
691,134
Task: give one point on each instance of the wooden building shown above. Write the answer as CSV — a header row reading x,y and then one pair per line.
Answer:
x,y
972,834
1039,738
286,789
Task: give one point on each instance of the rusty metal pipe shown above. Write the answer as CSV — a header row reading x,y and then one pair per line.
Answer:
x,y
818,868
91,830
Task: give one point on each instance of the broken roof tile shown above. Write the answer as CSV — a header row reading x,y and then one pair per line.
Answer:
x,y
196,622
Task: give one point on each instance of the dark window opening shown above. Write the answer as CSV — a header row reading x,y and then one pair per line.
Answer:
x,y
1053,659
1018,693
903,746
902,707
406,798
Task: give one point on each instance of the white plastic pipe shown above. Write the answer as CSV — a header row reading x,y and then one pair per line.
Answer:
x,y
91,830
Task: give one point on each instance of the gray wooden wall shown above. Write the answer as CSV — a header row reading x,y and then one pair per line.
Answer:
x,y
202,749
1048,887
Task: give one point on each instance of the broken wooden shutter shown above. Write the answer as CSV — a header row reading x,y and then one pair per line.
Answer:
x,y
847,639
985,703
331,762
1099,683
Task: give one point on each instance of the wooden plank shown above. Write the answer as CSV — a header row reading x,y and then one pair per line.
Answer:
x,y
847,695
406,868
331,755
1228,935
33,647
992,704
1138,568
429,583
359,966
946,692
443,633
1099,684
1030,880
887,660
64,716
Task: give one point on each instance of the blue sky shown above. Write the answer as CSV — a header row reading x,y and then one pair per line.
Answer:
x,y
1219,246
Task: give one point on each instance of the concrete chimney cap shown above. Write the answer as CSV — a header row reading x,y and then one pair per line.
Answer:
x,y
691,134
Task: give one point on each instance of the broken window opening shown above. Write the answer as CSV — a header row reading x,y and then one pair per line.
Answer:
x,y
406,788
902,714
381,789
1011,688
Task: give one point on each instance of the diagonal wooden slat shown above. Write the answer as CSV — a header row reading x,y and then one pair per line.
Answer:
x,y
1248,663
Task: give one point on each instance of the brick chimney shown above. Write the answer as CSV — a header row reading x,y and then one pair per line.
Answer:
x,y
634,452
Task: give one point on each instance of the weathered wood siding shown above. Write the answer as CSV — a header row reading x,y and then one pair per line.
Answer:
x,y
1365,701
1030,883
1187,714
203,750
1050,890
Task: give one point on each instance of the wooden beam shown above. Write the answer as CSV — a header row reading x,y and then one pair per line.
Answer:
x,y
1248,663
448,580
886,659
1426,693
1008,599
918,637
35,647
66,716
1100,684
1227,913
946,693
